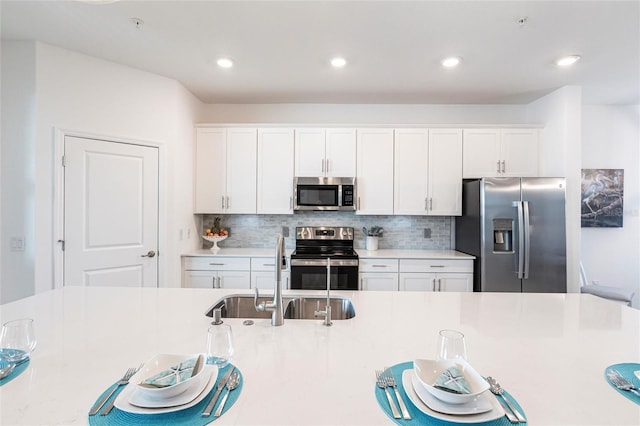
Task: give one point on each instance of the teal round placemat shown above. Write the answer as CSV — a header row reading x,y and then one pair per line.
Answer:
x,y
626,370
16,371
190,416
420,418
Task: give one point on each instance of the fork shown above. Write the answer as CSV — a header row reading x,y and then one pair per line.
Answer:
x,y
123,381
383,384
621,383
391,381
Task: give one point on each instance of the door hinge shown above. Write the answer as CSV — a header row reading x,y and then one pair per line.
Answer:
x,y
62,243
64,161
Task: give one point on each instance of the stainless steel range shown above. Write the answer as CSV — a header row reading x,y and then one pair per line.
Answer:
x,y
314,245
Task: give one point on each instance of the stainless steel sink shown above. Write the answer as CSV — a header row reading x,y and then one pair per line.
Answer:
x,y
304,308
295,307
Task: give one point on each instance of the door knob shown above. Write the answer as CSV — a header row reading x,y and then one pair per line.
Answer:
x,y
151,253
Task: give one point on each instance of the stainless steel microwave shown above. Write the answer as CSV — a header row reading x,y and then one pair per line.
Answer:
x,y
324,193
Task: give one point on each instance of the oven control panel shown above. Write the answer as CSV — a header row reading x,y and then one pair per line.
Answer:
x,y
324,233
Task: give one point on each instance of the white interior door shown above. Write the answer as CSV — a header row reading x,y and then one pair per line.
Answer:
x,y
110,213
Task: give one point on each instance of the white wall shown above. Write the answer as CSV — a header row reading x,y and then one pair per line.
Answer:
x,y
80,93
611,140
17,214
379,114
560,156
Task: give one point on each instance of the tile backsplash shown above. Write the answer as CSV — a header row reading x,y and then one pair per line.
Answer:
x,y
400,232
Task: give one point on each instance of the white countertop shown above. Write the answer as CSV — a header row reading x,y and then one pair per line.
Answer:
x,y
374,254
549,351
237,252
413,254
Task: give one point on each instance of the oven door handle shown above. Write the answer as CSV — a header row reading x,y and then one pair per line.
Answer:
x,y
323,262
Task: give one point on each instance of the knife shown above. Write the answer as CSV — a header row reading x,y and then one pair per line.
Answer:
x,y
214,398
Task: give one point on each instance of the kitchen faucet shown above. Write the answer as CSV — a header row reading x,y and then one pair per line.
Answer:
x,y
326,314
275,307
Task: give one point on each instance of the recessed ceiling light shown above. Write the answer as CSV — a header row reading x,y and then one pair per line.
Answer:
x,y
338,62
567,60
451,62
225,63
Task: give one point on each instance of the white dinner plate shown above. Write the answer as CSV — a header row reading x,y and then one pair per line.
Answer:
x,y
494,413
477,405
130,395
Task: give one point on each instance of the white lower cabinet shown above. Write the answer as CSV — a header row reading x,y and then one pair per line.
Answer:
x,y
217,272
424,281
436,275
263,274
379,274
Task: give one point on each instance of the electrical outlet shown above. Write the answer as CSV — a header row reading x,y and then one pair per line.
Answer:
x,y
17,243
427,232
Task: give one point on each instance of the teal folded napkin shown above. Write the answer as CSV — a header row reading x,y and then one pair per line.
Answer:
x,y
452,380
173,375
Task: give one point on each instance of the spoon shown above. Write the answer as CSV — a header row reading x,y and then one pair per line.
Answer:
x,y
496,389
233,382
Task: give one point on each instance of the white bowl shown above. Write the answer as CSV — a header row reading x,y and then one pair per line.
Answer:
x,y
215,240
160,363
428,370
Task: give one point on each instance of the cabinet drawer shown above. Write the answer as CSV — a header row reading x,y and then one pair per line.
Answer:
x,y
202,263
265,264
378,265
436,265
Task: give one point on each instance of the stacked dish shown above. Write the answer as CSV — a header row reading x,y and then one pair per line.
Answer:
x,y
168,383
450,390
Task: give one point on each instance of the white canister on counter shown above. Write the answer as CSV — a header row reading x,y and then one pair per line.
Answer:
x,y
372,243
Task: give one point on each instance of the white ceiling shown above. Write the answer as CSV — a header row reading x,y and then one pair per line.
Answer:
x,y
393,48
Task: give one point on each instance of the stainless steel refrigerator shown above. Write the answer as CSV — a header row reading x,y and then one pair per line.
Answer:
x,y
515,227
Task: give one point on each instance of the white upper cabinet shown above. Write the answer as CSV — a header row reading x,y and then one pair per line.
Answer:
x,y
374,178
500,152
411,156
275,171
428,172
445,172
325,152
225,170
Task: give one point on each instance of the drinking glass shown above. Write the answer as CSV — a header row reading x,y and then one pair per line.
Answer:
x,y
219,345
451,345
17,340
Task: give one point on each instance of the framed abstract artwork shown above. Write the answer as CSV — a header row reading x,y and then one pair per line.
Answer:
x,y
602,198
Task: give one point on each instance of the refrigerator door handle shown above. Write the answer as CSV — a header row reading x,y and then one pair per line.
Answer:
x,y
521,237
527,239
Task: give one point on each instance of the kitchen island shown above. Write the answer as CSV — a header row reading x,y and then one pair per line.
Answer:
x,y
548,350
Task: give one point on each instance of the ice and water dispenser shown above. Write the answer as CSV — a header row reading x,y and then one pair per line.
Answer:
x,y
503,235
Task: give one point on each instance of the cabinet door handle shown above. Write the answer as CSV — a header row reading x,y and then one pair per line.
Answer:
x,y
223,202
219,282
379,266
291,202
358,203
430,203
439,284
504,169
322,165
426,203
216,264
328,163
434,284
436,266
498,169
269,264
227,202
